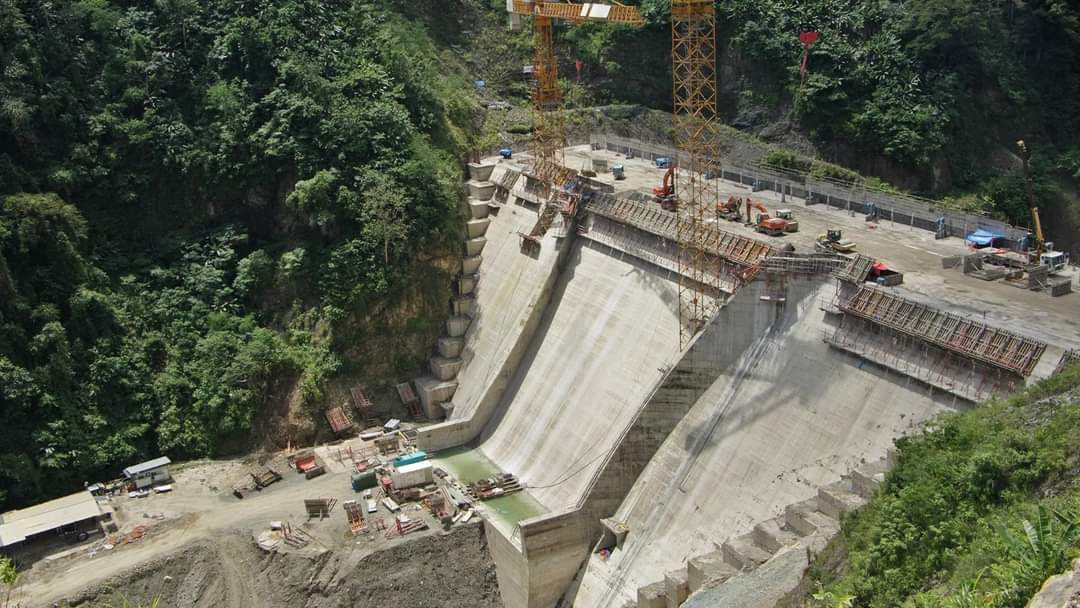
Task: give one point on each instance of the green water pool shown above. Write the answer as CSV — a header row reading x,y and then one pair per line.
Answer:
x,y
468,465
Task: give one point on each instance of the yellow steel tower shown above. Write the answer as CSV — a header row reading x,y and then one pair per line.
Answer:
x,y
693,66
548,137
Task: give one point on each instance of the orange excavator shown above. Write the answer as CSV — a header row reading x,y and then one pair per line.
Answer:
x,y
665,193
731,210
764,222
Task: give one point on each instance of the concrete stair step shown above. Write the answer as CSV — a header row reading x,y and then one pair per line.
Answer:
x,y
457,325
481,172
433,393
742,554
450,347
473,247
653,595
709,569
476,228
676,587
467,283
804,519
866,478
771,536
479,209
835,500
481,190
444,368
471,264
464,306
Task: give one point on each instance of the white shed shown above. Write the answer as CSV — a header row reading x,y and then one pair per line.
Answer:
x,y
149,473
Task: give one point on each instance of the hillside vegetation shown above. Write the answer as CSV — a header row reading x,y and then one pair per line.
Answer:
x,y
198,199
979,510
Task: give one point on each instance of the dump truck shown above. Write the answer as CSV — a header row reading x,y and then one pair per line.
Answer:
x,y
618,172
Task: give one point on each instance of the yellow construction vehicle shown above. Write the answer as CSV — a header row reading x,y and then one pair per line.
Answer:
x,y
834,240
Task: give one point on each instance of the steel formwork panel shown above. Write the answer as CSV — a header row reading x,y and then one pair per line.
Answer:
x,y
979,341
729,246
1068,358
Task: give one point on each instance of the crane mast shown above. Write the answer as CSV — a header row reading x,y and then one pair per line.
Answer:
x,y
693,68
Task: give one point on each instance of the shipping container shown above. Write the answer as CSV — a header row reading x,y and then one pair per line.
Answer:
x,y
416,474
363,481
401,461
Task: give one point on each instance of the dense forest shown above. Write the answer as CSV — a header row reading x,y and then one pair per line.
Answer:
x,y
195,197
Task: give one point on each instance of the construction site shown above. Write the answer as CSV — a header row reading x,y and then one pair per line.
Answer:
x,y
664,378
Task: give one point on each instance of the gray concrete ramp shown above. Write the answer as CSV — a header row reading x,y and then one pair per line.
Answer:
x,y
509,287
790,415
608,335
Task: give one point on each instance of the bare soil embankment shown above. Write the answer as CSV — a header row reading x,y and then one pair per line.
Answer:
x,y
441,571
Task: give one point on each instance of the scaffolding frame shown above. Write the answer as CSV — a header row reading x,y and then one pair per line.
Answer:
x,y
1069,357
693,69
997,347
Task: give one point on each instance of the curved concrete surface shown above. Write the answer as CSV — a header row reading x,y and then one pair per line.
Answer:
x,y
510,284
604,343
789,415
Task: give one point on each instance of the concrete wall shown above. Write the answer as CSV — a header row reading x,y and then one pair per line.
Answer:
x,y
609,336
557,544
512,292
785,415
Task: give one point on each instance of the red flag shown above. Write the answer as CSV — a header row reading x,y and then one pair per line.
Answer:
x,y
807,39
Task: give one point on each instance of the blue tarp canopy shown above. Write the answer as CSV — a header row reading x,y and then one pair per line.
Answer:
x,y
983,238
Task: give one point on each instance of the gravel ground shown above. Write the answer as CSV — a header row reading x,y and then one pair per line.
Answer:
x,y
440,571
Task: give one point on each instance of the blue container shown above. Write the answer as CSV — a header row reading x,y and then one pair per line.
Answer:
x,y
401,461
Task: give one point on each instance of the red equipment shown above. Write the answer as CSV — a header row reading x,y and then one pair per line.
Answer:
x,y
668,188
807,39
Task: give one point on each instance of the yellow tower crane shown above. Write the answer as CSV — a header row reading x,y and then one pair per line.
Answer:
x,y
548,137
694,84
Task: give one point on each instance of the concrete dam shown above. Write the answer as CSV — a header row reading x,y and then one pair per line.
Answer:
x,y
657,475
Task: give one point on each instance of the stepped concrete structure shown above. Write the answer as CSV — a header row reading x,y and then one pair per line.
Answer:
x,y
692,476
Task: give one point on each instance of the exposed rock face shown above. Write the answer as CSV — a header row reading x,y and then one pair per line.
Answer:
x,y
1061,591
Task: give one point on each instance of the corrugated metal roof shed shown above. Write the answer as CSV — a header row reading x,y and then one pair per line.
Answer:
x,y
17,525
149,465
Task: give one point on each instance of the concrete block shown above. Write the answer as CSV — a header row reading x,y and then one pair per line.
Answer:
x,y
866,478
443,368
480,172
479,209
466,284
464,306
457,326
805,519
471,264
835,500
432,392
481,191
477,228
473,247
771,536
742,554
707,570
676,588
652,596
450,347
